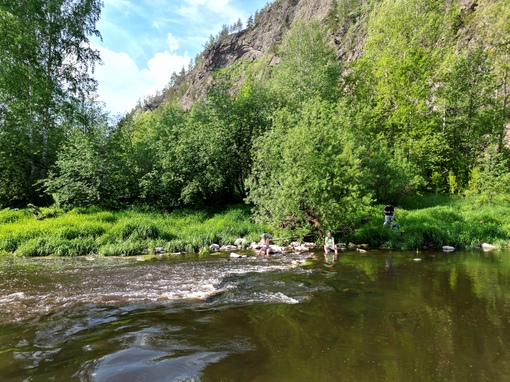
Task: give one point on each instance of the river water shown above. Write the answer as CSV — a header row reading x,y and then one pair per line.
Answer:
x,y
375,316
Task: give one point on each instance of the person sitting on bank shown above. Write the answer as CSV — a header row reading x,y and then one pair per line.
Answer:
x,y
388,215
264,242
329,244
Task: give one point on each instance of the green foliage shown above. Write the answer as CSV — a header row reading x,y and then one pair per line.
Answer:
x,y
388,176
421,107
452,182
307,170
86,172
45,59
458,222
84,231
308,66
492,178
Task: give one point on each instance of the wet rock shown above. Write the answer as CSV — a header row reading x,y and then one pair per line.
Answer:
x,y
214,247
241,242
448,248
488,247
228,248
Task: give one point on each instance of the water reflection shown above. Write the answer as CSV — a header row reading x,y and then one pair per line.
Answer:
x,y
377,317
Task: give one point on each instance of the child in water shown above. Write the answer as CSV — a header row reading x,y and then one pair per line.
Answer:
x,y
264,242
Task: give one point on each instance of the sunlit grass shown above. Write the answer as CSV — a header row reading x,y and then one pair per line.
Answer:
x,y
84,231
459,222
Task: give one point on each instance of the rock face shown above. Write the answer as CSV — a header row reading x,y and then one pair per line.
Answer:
x,y
252,43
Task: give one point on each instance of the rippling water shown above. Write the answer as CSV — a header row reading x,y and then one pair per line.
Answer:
x,y
364,317
35,287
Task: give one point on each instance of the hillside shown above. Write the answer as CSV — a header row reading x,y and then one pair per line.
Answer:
x,y
257,42
345,20
313,113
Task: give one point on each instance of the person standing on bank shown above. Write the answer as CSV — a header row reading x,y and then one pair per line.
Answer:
x,y
388,215
329,244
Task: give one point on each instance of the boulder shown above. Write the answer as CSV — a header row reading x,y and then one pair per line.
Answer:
x,y
488,247
228,248
240,243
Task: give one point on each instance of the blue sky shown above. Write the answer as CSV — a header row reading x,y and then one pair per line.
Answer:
x,y
145,41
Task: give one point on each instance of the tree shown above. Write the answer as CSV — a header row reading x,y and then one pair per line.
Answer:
x,y
307,170
491,22
249,23
469,111
214,149
491,177
393,81
308,66
45,60
86,171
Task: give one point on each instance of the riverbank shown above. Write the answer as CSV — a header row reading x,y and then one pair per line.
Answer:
x,y
426,222
84,231
436,221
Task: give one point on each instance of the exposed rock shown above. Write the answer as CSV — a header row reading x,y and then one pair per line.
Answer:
x,y
228,248
252,43
488,247
448,248
468,5
241,242
214,247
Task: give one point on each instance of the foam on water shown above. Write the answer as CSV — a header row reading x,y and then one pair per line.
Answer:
x,y
25,293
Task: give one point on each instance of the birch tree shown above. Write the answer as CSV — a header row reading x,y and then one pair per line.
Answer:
x,y
46,62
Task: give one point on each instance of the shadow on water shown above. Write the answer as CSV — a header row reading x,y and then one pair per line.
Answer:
x,y
374,316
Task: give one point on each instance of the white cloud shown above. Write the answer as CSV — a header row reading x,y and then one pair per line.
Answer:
x,y
173,44
122,83
209,3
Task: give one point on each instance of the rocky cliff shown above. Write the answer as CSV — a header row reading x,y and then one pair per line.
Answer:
x,y
253,43
260,41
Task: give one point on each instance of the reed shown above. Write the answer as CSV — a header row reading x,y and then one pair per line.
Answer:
x,y
455,221
83,231
458,222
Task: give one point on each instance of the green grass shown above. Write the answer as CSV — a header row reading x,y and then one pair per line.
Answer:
x,y
84,231
459,222
454,221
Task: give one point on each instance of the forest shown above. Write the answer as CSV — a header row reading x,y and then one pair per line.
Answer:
x,y
312,143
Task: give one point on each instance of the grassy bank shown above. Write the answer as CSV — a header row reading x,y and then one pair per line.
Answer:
x,y
132,232
430,221
437,221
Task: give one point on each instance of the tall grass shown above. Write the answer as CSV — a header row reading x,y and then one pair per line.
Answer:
x,y
458,222
84,231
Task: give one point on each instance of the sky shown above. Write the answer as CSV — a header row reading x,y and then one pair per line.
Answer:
x,y
145,41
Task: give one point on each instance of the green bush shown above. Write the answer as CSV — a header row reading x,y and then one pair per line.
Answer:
x,y
10,216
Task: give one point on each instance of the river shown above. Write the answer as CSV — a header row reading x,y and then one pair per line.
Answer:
x,y
375,316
